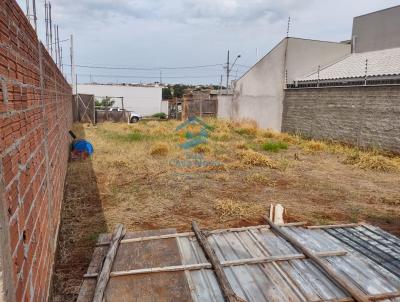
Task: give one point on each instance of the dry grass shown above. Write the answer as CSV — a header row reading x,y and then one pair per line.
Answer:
x,y
141,177
228,209
253,158
370,161
245,127
159,149
314,146
257,178
202,149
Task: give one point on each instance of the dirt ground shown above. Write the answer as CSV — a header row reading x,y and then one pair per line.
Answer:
x,y
141,176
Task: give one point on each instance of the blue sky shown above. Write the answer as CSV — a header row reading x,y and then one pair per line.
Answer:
x,y
154,34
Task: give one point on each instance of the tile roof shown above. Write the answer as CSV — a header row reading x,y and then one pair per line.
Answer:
x,y
380,63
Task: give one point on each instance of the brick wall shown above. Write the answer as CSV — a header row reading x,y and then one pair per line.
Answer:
x,y
35,116
367,116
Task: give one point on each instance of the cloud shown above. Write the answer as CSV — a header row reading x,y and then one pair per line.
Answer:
x,y
179,11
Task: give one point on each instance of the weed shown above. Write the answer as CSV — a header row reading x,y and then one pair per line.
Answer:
x,y
124,137
253,158
242,146
201,149
159,149
274,146
246,127
257,178
228,208
370,161
315,146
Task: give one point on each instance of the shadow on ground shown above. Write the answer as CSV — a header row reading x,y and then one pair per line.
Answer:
x,y
82,220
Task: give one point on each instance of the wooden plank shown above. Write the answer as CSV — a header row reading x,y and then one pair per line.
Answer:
x,y
332,226
354,291
199,266
222,279
384,296
291,224
192,234
104,276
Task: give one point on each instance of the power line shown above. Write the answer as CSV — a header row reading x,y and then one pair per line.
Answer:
x,y
146,77
148,68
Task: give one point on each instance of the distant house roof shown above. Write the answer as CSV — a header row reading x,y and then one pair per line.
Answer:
x,y
381,63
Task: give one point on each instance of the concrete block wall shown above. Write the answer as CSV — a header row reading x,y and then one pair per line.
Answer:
x,y
367,116
35,116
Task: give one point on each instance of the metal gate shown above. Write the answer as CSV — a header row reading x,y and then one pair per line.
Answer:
x,y
84,108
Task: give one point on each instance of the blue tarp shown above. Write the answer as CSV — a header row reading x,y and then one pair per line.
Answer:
x,y
83,146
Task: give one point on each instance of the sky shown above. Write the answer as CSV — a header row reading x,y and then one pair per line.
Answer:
x,y
143,39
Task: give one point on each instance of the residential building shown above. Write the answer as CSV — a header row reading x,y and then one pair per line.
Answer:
x,y
258,95
377,30
144,100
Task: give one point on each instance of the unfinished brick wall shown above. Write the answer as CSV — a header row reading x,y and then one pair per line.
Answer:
x,y
35,116
367,116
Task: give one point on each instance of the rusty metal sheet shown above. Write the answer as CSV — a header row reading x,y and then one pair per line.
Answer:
x,y
154,287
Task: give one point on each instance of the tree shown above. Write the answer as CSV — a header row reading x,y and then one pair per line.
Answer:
x,y
179,90
106,102
167,93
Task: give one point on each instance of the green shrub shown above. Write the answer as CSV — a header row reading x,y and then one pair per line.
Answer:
x,y
161,115
274,146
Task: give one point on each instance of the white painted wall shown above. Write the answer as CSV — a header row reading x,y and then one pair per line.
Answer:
x,y
143,100
164,107
224,106
259,94
378,30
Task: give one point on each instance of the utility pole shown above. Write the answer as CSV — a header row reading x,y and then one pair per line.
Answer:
x,y
46,20
55,44
58,49
160,77
72,63
34,14
51,29
227,72
220,85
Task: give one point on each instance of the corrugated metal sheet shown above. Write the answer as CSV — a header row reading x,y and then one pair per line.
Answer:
x,y
379,246
294,280
380,63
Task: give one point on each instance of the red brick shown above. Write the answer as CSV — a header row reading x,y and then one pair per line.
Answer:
x,y
22,134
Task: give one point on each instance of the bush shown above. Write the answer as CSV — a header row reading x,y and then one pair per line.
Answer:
x,y
161,115
274,146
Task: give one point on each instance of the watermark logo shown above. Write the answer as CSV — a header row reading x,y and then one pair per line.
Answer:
x,y
193,137
195,132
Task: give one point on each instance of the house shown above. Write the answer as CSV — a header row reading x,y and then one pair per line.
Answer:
x,y
375,57
354,100
377,30
258,95
142,99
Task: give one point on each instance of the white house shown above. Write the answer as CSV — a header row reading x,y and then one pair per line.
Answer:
x,y
143,100
258,95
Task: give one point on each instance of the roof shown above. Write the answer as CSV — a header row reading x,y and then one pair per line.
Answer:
x,y
279,44
378,11
259,264
381,63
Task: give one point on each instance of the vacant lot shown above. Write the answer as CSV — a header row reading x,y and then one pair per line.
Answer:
x,y
141,177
